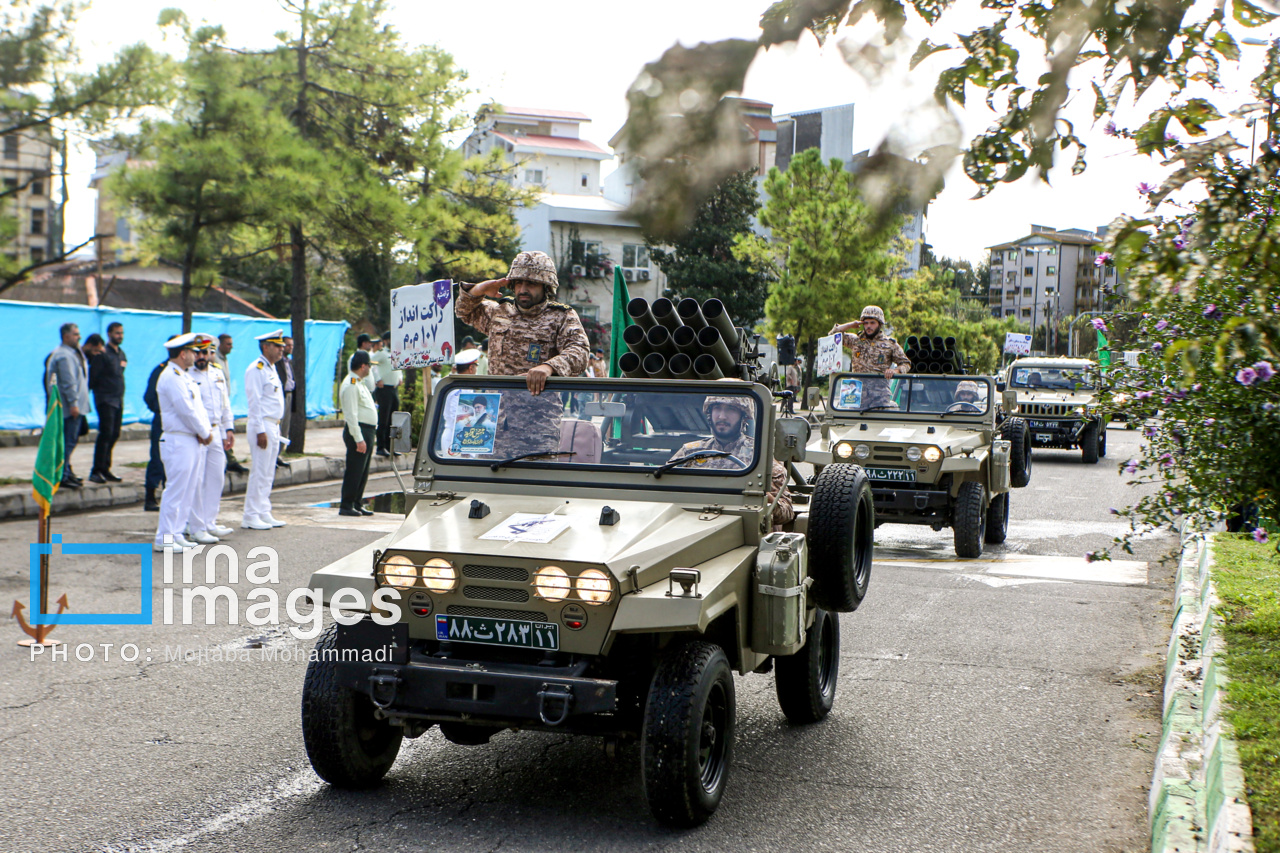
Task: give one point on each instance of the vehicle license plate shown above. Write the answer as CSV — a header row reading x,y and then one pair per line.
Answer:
x,y
1040,425
891,475
498,632
1043,437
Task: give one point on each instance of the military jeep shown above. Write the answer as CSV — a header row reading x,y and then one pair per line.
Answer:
x,y
572,575
935,449
1057,398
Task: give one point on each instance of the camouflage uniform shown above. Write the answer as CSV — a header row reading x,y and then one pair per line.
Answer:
x,y
744,448
875,355
548,333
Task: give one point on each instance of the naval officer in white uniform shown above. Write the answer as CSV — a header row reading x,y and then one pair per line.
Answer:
x,y
186,434
203,524
265,393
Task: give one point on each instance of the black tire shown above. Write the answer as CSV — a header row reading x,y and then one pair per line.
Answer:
x,y
1014,431
1089,443
806,681
348,746
686,744
842,521
970,519
1102,440
997,519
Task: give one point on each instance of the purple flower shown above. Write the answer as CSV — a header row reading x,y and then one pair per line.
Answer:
x,y
1260,536
1130,467
1157,346
1110,129
1196,387
1264,370
1149,432
1090,556
1145,188
1102,260
1100,324
1169,137
1268,407
1246,376
1210,422
1179,243
1166,459
1142,395
1210,310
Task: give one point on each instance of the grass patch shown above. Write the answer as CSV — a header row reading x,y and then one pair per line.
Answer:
x,y
292,455
13,481
1247,578
135,464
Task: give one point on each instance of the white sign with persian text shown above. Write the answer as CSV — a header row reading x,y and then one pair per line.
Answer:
x,y
1017,343
422,324
831,356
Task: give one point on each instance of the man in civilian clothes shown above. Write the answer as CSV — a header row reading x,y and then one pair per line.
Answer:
x,y
360,420
388,394
155,465
284,367
68,366
106,381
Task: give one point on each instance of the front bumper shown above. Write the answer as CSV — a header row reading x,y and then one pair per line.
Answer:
x,y
1055,433
410,685
910,506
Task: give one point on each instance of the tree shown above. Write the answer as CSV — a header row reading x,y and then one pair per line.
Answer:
x,y
971,281
225,161
828,255
927,303
44,95
700,262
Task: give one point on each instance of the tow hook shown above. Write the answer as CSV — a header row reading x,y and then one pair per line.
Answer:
x,y
548,696
380,686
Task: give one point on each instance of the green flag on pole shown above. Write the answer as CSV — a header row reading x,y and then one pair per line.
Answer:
x,y
620,321
50,457
1104,352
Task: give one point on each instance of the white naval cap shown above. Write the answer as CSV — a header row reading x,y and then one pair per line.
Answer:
x,y
467,356
275,337
190,340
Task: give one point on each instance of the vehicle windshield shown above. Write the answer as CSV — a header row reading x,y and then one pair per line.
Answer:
x,y
1058,378
916,395
483,423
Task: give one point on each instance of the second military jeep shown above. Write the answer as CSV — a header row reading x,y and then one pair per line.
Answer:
x,y
591,569
935,450
1058,400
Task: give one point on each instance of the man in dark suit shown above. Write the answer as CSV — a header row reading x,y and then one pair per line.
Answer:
x,y
106,381
284,368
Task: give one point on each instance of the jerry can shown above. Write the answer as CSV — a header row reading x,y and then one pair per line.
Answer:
x,y
779,594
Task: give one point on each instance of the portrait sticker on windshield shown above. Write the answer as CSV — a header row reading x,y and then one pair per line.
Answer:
x,y
471,423
849,394
532,527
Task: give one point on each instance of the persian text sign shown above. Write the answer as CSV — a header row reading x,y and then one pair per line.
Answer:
x,y
1017,344
830,358
422,324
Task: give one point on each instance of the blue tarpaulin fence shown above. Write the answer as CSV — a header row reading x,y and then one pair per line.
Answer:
x,y
31,329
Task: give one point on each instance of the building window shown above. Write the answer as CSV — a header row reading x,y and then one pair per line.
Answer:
x,y
37,255
37,221
1026,291
635,256
533,176
1051,270
1026,312
1028,271
1013,276
1052,250
11,147
1013,254
10,185
585,179
37,185
1010,294
1008,312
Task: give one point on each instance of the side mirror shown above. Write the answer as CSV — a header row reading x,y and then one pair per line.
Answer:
x,y
790,435
1000,386
812,397
401,440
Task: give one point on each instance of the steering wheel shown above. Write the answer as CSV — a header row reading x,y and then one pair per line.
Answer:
x,y
964,406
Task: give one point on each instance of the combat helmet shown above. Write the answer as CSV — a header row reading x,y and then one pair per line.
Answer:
x,y
967,386
535,266
874,312
740,403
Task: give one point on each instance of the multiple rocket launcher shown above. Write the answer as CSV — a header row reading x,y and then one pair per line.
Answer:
x,y
684,340
934,355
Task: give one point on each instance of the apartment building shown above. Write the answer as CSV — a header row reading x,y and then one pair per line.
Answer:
x,y
1049,274
26,174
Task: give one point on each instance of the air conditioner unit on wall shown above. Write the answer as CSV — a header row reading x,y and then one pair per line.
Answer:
x,y
629,275
644,275
579,270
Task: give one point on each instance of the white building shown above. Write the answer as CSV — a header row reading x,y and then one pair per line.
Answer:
x,y
586,233
26,169
1049,274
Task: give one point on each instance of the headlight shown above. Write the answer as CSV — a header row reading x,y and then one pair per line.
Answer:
x,y
399,571
932,454
593,587
862,451
844,450
551,583
439,575
913,453
1079,410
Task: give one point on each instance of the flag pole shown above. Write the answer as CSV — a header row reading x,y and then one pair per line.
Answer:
x,y
47,476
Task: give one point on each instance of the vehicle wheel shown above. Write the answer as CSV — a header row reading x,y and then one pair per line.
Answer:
x,y
1102,441
348,746
997,519
1089,444
806,681
1014,431
686,744
970,519
842,521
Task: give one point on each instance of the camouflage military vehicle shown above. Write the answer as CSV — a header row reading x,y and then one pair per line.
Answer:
x,y
935,448
1057,398
584,581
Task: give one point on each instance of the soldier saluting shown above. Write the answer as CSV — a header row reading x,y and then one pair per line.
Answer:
x,y
530,336
872,351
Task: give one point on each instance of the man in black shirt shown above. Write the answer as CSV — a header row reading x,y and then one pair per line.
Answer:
x,y
106,381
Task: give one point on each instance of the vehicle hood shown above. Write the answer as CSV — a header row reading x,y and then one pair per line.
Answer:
x,y
654,535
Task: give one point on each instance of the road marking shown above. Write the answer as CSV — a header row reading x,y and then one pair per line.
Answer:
x,y
1067,569
999,582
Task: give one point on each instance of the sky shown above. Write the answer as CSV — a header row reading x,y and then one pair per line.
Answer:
x,y
582,55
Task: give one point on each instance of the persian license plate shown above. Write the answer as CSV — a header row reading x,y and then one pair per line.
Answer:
x,y
1040,425
1043,437
498,632
891,475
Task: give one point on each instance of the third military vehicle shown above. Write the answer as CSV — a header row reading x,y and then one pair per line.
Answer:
x,y
1057,399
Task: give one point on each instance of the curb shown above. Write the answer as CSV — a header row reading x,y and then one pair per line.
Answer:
x,y
305,469
1197,790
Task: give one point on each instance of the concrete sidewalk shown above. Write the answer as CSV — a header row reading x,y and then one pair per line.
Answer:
x,y
324,460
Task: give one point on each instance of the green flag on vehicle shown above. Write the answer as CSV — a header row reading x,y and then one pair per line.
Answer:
x,y
1104,352
51,455
620,321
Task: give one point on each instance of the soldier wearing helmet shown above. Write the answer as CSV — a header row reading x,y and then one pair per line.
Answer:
x,y
728,416
530,336
871,351
966,396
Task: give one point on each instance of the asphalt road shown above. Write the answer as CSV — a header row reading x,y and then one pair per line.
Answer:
x,y
1008,704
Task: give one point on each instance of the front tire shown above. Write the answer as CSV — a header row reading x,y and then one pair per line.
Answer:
x,y
806,681
842,521
970,519
997,519
686,745
348,746
1089,444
